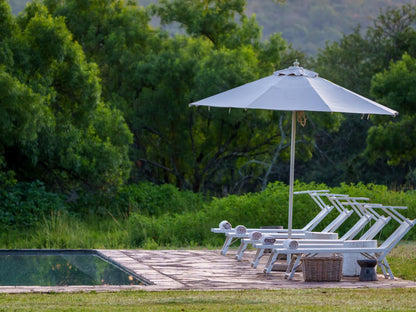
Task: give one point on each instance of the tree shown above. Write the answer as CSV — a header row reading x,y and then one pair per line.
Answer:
x,y
7,23
213,19
152,78
213,151
214,145
22,115
352,62
395,141
74,141
393,33
116,36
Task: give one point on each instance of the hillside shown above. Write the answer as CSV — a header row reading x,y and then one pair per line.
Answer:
x,y
307,24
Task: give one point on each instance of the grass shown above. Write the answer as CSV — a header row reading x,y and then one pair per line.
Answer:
x,y
249,300
402,260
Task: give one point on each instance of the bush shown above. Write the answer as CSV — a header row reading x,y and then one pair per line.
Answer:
x,y
193,227
269,207
155,200
24,204
153,216
380,194
187,229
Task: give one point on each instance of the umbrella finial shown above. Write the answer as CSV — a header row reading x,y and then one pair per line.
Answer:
x,y
296,63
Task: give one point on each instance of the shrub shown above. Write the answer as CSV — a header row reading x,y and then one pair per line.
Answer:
x,y
269,207
193,227
380,194
155,200
24,204
187,229
152,216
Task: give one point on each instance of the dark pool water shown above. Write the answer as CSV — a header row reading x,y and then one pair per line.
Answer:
x,y
61,268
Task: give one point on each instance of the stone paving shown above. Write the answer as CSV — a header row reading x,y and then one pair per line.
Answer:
x,y
204,270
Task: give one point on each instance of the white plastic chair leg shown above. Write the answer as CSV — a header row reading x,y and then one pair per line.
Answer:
x,y
257,257
269,265
241,249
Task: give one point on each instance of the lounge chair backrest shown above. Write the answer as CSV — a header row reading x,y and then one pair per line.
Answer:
x,y
392,211
357,227
335,200
316,196
356,205
336,223
370,209
375,228
398,234
318,218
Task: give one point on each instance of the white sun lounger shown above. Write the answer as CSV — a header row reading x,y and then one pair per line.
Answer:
x,y
378,253
232,236
336,199
315,195
302,243
368,235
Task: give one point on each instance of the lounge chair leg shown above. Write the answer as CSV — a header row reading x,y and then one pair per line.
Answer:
x,y
387,266
257,258
241,250
227,244
381,265
272,259
291,269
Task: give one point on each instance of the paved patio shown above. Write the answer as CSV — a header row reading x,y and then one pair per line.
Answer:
x,y
204,270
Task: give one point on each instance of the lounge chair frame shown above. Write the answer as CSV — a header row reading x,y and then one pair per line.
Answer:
x,y
378,253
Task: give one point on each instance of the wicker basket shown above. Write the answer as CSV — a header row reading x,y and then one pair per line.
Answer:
x,y
322,269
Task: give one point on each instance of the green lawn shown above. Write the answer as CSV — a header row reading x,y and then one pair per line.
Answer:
x,y
250,300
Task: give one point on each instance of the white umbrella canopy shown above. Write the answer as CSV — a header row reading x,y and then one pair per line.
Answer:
x,y
295,89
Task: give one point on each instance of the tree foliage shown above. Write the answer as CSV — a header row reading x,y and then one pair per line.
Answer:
x,y
151,78
56,127
394,141
90,88
352,62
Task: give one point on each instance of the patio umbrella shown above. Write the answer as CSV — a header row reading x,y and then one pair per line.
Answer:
x,y
298,90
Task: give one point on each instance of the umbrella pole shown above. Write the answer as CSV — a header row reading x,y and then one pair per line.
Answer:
x,y
292,173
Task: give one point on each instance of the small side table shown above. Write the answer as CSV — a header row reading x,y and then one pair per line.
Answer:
x,y
368,270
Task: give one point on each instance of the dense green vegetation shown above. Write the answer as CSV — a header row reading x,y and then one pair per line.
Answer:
x,y
106,103
94,106
150,216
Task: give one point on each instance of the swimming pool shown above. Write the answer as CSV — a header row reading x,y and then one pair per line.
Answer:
x,y
41,267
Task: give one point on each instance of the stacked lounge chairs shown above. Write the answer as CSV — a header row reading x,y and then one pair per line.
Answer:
x,y
232,235
339,201
278,242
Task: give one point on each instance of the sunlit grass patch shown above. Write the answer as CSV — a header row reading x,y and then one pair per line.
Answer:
x,y
402,259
